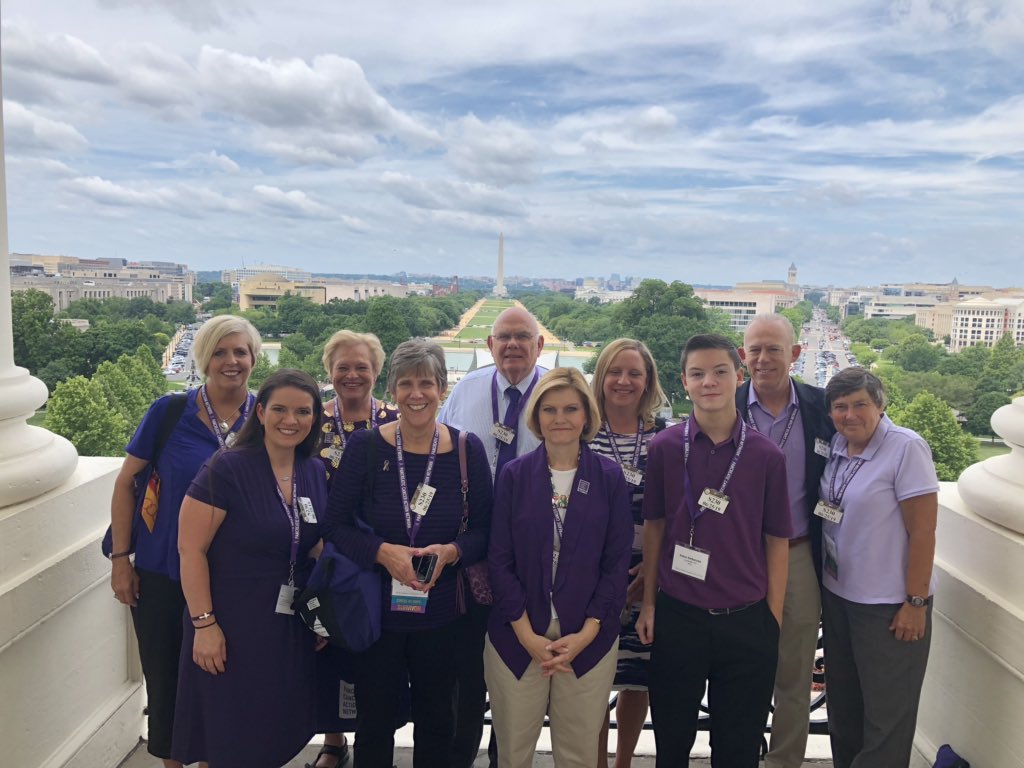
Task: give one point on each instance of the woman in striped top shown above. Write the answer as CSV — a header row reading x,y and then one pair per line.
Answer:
x,y
628,394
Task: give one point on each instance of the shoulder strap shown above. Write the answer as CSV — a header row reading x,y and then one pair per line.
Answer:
x,y
463,471
171,418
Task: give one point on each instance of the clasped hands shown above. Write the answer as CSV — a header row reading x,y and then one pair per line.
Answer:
x,y
556,656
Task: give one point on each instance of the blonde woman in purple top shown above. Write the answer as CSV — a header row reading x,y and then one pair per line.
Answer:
x,y
879,504
628,393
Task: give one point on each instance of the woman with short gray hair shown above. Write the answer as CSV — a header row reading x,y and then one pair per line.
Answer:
x,y
390,478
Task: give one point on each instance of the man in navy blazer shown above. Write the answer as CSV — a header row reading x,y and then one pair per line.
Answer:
x,y
793,415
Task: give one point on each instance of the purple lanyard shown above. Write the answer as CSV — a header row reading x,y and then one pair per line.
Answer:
x,y
636,447
215,422
851,472
511,414
789,424
411,526
696,510
292,511
337,418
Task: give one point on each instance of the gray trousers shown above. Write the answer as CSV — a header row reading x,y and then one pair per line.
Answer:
x,y
873,683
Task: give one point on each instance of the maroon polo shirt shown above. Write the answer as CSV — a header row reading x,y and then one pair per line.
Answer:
x,y
758,505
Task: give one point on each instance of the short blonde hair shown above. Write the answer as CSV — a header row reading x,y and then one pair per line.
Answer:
x,y
653,397
347,338
215,329
564,378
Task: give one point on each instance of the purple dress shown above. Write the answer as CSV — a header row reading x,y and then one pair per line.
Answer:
x,y
259,712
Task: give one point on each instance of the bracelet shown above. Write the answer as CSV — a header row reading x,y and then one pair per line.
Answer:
x,y
115,555
206,626
202,616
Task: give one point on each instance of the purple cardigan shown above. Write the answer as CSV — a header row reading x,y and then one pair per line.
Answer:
x,y
594,557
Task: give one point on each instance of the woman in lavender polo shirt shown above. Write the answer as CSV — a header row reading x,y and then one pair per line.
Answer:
x,y
879,506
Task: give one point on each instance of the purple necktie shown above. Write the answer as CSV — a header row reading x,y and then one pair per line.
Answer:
x,y
507,451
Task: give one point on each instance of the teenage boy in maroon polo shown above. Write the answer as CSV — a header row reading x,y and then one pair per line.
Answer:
x,y
716,551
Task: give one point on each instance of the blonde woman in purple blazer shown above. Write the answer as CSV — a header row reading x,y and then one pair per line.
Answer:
x,y
560,544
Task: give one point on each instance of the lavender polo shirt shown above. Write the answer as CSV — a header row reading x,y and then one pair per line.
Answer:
x,y
794,450
758,505
871,539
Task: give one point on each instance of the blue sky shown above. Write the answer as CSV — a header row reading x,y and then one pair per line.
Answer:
x,y
707,142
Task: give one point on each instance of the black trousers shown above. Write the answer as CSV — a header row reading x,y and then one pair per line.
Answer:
x,y
735,656
157,619
470,688
429,659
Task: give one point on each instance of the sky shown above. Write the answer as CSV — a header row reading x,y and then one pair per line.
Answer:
x,y
709,142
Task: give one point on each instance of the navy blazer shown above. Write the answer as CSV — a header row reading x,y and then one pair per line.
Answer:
x,y
817,424
592,563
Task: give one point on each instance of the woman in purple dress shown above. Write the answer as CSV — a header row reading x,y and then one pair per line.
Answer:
x,y
247,529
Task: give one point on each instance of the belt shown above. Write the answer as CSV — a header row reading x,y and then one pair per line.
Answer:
x,y
727,611
799,540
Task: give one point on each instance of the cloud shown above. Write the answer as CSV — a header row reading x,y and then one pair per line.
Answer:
x,y
199,15
440,195
28,131
186,200
331,93
292,203
62,56
498,151
211,161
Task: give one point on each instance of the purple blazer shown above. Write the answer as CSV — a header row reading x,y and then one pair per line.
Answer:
x,y
593,561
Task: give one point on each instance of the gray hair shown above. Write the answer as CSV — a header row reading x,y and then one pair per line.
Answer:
x,y
418,356
851,380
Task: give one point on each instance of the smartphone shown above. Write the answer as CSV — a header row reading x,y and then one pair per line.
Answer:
x,y
424,566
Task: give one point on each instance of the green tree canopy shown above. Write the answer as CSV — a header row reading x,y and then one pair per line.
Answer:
x,y
979,413
79,411
952,450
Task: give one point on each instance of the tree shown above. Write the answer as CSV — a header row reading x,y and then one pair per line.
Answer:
x,y
384,318
952,450
979,414
143,369
125,394
915,353
261,371
78,410
968,362
1002,371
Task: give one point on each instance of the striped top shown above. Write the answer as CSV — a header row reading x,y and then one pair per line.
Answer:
x,y
626,445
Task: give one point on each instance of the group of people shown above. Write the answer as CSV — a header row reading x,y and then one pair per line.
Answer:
x,y
608,551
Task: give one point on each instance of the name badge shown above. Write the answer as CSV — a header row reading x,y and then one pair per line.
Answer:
x,y
829,512
405,599
633,475
285,598
821,448
713,500
503,433
421,499
831,564
691,561
638,537
306,511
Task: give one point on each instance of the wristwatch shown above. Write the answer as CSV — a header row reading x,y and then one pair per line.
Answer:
x,y
919,602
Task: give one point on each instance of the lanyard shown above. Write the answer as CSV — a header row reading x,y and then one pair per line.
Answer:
x,y
512,413
413,527
695,509
292,511
851,472
338,419
789,425
215,422
636,447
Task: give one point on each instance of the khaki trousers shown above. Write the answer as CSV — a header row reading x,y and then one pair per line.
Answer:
x,y
797,642
575,705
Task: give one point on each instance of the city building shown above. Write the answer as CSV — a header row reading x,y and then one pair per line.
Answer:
x,y
743,305
264,291
898,307
67,278
938,319
982,322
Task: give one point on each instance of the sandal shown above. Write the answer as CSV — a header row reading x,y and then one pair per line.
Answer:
x,y
332,751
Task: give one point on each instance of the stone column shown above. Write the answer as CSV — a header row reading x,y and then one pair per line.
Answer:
x,y
994,488
32,460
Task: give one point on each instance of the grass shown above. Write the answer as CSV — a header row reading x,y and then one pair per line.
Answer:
x,y
38,418
987,450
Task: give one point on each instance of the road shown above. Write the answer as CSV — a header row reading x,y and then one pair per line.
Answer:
x,y
825,351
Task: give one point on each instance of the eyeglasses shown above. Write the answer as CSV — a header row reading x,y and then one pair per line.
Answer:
x,y
522,338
